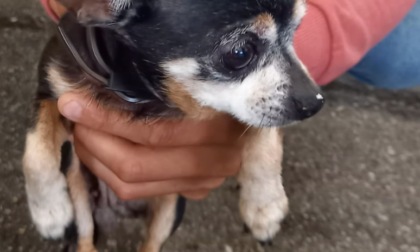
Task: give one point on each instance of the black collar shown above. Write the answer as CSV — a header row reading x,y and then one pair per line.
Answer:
x,y
98,53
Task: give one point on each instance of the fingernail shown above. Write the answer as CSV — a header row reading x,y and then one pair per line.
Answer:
x,y
72,110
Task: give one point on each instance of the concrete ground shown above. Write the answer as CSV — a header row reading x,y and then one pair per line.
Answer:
x,y
351,173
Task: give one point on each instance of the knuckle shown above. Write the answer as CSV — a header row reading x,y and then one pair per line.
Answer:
x,y
200,196
220,182
128,170
235,164
107,121
214,183
159,134
197,195
231,163
231,172
124,193
100,125
97,123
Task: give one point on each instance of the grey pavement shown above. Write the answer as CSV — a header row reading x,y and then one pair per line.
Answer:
x,y
351,173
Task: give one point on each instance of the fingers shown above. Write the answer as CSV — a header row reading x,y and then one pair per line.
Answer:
x,y
136,163
138,159
196,195
132,191
79,108
58,9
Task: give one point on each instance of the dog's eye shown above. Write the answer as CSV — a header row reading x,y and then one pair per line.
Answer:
x,y
239,57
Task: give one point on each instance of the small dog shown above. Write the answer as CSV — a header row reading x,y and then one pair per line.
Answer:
x,y
170,58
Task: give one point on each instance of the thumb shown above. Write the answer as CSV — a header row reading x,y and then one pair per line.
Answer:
x,y
80,108
72,106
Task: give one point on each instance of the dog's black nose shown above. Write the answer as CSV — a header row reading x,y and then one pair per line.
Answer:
x,y
308,106
304,96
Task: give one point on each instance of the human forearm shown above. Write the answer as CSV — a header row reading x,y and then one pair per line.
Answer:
x,y
335,35
53,8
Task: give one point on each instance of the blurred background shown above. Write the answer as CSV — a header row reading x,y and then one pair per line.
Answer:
x,y
351,172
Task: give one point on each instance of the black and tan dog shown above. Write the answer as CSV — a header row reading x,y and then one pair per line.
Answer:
x,y
181,58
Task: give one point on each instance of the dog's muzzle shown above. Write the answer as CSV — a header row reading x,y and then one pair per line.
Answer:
x,y
304,97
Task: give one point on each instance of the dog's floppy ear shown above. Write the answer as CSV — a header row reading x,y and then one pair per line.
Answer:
x,y
96,12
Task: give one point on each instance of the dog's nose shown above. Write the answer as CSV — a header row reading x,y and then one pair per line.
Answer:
x,y
305,98
308,106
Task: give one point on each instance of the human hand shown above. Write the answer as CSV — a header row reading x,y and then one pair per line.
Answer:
x,y
58,9
139,160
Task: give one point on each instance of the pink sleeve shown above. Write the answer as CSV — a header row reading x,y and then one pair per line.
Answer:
x,y
49,10
335,35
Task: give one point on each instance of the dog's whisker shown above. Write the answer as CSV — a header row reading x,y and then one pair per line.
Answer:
x,y
261,122
92,99
81,81
245,131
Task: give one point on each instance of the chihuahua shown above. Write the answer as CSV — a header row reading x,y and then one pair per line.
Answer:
x,y
169,58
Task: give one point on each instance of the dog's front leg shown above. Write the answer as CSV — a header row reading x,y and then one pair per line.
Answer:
x,y
166,215
263,201
80,196
46,187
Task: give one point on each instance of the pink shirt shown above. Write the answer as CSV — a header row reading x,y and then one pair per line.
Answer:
x,y
50,12
336,34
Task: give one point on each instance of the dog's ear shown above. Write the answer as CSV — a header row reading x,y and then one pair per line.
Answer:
x,y
96,12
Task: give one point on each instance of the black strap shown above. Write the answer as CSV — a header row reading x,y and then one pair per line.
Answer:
x,y
97,52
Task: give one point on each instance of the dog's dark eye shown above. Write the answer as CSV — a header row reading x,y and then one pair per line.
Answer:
x,y
239,57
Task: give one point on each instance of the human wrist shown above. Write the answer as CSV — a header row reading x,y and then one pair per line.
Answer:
x,y
54,9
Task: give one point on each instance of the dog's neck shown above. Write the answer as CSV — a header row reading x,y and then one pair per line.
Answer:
x,y
102,56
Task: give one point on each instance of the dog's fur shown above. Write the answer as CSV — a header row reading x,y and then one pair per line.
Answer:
x,y
183,48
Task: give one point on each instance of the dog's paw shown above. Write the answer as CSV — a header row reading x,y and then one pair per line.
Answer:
x,y
87,246
268,243
264,220
51,209
87,250
53,218
80,248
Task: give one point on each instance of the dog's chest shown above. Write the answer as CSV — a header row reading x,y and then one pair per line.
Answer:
x,y
107,207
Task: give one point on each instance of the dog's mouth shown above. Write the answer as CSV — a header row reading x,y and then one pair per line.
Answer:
x,y
285,110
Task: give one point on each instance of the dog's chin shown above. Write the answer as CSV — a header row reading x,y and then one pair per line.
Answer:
x,y
270,122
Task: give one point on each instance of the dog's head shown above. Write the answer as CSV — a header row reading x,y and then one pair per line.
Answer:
x,y
233,56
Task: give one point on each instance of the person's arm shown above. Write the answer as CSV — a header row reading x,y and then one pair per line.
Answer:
x,y
54,9
335,35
